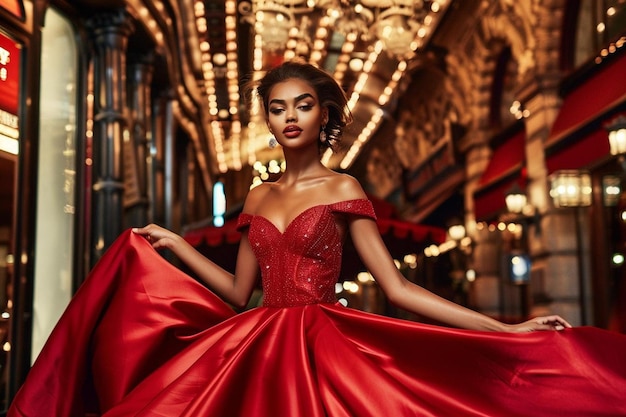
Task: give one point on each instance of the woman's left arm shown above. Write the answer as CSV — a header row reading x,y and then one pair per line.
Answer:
x,y
418,300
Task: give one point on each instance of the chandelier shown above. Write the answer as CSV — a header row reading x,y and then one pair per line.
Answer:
x,y
398,24
273,21
397,28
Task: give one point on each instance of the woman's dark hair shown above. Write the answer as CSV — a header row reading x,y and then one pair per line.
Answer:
x,y
329,93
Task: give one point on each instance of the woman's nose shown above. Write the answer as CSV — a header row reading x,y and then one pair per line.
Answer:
x,y
291,116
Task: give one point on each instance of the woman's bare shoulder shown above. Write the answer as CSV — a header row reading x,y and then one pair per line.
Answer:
x,y
254,198
345,187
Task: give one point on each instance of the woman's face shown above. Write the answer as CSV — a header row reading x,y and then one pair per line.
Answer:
x,y
294,114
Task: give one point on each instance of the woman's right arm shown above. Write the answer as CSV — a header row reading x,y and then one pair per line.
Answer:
x,y
233,288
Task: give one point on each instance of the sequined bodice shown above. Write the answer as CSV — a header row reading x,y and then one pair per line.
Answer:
x,y
301,265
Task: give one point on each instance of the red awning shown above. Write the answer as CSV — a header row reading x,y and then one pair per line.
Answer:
x,y
505,159
578,137
392,230
581,153
214,236
416,235
490,202
228,234
505,168
604,90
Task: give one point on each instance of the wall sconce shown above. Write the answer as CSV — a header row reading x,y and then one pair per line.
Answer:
x,y
456,232
570,188
515,199
611,189
612,184
459,239
517,203
461,247
617,137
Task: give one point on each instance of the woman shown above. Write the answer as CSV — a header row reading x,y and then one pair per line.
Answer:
x,y
153,342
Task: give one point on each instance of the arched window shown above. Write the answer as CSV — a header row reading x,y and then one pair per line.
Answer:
x,y
503,90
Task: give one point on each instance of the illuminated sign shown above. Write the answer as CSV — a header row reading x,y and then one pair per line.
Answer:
x,y
519,268
219,204
9,74
14,6
9,93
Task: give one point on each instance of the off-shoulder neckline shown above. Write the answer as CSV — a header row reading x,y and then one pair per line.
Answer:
x,y
305,211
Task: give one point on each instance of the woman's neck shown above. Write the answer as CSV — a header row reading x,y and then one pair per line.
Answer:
x,y
301,164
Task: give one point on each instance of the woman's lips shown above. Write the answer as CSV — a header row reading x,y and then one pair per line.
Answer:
x,y
292,131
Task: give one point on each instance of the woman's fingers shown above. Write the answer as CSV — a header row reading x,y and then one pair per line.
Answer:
x,y
553,322
144,231
153,234
556,320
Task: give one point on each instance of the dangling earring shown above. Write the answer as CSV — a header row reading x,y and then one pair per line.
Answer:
x,y
273,142
323,134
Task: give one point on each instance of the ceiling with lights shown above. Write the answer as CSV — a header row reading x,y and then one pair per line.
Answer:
x,y
366,45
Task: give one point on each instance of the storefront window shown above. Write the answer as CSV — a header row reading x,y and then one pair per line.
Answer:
x,y
56,189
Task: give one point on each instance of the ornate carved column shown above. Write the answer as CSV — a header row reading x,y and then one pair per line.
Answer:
x,y
109,33
137,202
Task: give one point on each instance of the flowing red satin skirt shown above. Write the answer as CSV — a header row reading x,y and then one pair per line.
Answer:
x,y
141,338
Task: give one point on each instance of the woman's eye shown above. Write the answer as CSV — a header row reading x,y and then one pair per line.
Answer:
x,y
306,107
276,110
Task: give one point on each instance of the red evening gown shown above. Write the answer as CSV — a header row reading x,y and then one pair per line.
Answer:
x,y
141,338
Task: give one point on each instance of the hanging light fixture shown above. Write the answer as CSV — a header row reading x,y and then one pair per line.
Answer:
x,y
525,213
617,135
570,188
343,37
612,184
515,199
273,21
396,23
456,232
357,19
397,29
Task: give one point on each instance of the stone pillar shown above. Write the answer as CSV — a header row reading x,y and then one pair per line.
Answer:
x,y
109,32
140,69
485,292
559,254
